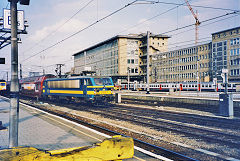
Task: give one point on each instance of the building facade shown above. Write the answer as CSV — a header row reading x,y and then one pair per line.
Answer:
x,y
190,64
201,63
226,54
127,54
120,55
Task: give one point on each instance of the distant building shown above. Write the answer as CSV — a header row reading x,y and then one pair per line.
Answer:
x,y
201,63
226,54
120,54
187,64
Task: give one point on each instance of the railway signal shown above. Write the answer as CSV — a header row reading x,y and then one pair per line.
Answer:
x,y
2,60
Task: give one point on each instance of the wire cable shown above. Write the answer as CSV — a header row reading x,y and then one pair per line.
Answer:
x,y
59,42
52,33
235,12
204,25
197,6
151,18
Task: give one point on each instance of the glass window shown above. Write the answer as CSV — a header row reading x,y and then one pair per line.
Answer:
x,y
132,70
128,61
102,81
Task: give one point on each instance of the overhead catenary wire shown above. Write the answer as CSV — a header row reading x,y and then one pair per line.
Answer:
x,y
151,18
204,25
58,28
70,60
210,19
197,6
94,23
173,44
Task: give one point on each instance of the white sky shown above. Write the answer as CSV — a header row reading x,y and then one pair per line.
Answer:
x,y
46,16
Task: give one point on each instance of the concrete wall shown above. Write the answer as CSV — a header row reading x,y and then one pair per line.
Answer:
x,y
182,100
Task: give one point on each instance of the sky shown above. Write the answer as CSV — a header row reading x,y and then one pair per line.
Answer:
x,y
51,22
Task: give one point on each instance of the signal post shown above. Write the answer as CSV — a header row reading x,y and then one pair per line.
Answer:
x,y
14,88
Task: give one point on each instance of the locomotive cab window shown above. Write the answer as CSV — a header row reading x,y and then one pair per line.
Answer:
x,y
102,81
87,82
2,84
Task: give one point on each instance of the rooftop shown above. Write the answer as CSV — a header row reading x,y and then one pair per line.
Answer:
x,y
226,30
130,36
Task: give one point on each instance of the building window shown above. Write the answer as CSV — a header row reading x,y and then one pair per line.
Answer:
x,y
132,70
128,61
132,61
136,70
136,61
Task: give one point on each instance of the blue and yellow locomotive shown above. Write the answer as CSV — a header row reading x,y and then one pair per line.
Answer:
x,y
96,90
3,87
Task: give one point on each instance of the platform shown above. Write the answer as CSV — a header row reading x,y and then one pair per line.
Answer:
x,y
41,130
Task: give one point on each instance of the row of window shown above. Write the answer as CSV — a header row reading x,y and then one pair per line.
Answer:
x,y
235,72
234,41
225,33
158,44
186,67
235,62
185,75
133,71
235,51
132,61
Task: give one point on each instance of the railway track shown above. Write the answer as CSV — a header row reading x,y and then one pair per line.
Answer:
x,y
193,119
150,118
178,128
207,108
150,147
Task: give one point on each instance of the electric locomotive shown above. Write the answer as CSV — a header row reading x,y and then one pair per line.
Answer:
x,y
3,87
95,90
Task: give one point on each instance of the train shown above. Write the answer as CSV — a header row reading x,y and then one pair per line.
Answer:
x,y
94,90
185,86
87,89
3,87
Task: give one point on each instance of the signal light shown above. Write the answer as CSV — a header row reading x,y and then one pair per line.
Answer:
x,y
24,2
2,60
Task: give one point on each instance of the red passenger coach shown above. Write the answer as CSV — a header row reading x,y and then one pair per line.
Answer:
x,y
32,86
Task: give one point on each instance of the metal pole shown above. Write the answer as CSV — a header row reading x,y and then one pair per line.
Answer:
x,y
148,63
128,76
197,76
226,83
14,89
85,59
20,71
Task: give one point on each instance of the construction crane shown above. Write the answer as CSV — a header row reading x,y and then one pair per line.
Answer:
x,y
197,23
